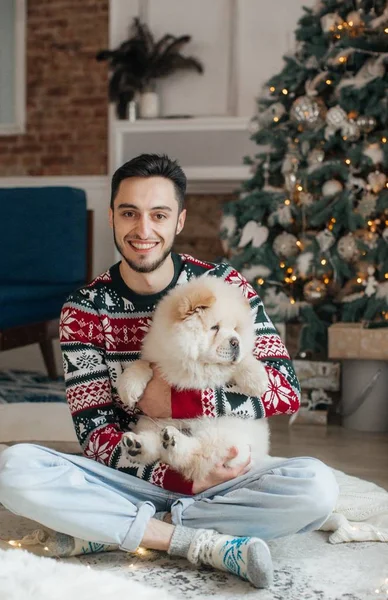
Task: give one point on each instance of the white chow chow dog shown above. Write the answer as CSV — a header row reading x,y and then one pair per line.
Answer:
x,y
201,336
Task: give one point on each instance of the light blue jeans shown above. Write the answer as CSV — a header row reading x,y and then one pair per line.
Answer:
x,y
78,496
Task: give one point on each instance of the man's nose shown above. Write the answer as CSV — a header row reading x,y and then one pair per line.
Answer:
x,y
143,228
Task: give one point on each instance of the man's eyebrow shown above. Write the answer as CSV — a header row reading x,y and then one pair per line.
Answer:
x,y
133,206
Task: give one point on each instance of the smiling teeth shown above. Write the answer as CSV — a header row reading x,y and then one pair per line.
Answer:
x,y
143,246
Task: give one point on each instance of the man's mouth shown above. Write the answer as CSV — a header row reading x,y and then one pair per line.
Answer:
x,y
142,246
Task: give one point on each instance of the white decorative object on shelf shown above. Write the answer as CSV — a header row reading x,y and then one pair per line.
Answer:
x,y
149,105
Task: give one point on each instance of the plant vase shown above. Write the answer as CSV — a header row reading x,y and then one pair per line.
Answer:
x,y
149,105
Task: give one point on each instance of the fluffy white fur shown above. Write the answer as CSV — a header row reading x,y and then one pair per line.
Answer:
x,y
202,336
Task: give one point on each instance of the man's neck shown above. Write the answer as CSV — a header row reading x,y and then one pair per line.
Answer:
x,y
148,283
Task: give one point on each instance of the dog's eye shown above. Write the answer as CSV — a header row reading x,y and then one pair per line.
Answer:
x,y
215,327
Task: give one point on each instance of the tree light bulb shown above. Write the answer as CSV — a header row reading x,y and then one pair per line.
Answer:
x,y
282,265
348,161
260,281
299,243
284,91
326,280
299,188
386,30
329,81
272,89
293,278
386,275
292,300
342,59
287,202
359,280
384,140
323,261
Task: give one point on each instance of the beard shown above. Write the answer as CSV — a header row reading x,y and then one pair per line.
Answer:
x,y
146,268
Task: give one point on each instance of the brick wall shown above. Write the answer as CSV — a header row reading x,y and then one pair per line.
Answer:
x,y
67,127
200,236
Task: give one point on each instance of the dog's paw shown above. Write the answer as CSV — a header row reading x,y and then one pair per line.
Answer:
x,y
132,444
133,381
169,437
251,378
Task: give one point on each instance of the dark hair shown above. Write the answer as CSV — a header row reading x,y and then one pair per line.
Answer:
x,y
151,165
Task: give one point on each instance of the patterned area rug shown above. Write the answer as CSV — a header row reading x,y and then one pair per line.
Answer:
x,y
25,386
307,567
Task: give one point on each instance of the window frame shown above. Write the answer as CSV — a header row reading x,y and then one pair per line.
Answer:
x,y
18,126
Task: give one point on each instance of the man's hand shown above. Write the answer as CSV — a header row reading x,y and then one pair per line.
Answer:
x,y
156,400
221,473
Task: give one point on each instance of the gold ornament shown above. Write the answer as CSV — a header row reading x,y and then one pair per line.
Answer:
x,y
314,291
308,112
377,181
285,245
347,248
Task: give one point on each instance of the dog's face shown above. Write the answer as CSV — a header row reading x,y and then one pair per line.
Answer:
x,y
213,328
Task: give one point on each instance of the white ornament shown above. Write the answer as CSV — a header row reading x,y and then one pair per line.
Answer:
x,y
350,131
372,69
331,188
275,111
316,157
375,153
255,233
325,240
355,184
255,271
228,225
371,283
354,18
329,22
367,205
303,263
377,181
282,215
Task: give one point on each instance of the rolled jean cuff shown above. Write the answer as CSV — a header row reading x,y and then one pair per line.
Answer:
x,y
135,534
177,509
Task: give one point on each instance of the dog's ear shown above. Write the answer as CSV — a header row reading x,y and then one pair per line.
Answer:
x,y
194,302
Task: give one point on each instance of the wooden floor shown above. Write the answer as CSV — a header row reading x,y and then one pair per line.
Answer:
x,y
357,453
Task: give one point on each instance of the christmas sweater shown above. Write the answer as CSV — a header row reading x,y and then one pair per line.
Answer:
x,y
101,330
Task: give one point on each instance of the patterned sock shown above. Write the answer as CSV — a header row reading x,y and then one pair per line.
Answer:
x,y
246,557
46,542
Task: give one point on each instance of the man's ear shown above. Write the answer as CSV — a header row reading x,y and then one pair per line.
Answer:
x,y
194,302
181,221
111,217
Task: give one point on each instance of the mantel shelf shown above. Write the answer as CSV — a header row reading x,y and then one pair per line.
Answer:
x,y
215,123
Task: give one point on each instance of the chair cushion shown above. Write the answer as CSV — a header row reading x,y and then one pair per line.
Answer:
x,y
43,237
25,304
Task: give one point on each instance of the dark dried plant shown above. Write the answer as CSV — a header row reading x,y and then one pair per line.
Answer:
x,y
139,61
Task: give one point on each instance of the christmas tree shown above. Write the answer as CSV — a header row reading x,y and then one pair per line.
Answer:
x,y
310,227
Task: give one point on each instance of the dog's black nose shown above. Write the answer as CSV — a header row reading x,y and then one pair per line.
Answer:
x,y
234,342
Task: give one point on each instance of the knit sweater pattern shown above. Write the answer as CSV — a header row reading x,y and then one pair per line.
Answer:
x,y
101,330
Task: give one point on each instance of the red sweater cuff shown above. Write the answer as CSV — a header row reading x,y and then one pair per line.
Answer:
x,y
174,482
186,404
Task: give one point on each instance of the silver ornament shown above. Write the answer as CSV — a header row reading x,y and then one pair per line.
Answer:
x,y
375,153
331,188
347,248
350,131
336,117
316,157
308,112
314,291
366,123
367,205
284,245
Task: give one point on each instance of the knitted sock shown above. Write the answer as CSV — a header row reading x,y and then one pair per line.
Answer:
x,y
46,542
247,557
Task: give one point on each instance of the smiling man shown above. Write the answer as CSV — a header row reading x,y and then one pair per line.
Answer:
x,y
105,496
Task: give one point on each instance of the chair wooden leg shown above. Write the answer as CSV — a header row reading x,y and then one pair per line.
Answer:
x,y
47,350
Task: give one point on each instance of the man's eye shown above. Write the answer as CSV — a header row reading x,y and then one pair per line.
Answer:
x,y
215,327
128,214
160,216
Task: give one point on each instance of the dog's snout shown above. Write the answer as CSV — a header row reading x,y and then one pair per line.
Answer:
x,y
234,342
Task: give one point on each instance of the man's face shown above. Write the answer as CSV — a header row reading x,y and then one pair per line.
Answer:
x,y
145,221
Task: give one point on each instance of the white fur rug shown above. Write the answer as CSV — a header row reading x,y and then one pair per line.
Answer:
x,y
307,567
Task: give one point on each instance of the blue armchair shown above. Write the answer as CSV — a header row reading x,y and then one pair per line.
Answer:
x,y
45,253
